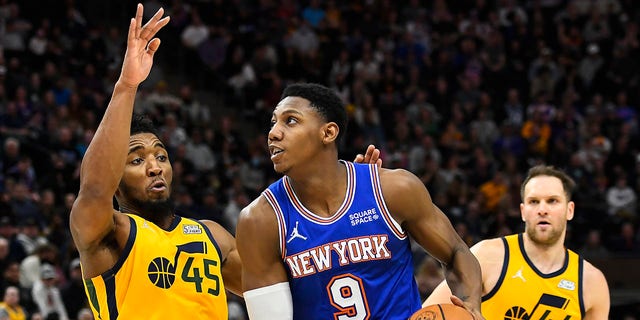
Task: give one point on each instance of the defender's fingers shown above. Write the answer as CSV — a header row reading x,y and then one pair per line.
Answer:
x,y
375,155
153,25
367,155
153,45
139,11
132,30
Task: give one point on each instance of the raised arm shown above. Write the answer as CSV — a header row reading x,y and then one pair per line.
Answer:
x,y
411,205
92,215
264,278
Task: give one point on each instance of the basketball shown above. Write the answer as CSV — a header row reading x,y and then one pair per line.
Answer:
x,y
442,312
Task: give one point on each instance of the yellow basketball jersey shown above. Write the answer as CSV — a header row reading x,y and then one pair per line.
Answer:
x,y
14,313
523,292
162,274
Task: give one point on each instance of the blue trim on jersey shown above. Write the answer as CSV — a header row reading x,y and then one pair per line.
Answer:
x,y
580,281
503,272
215,244
174,223
533,266
109,276
110,286
133,231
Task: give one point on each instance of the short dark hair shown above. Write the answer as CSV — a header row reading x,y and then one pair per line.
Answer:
x,y
542,170
324,100
142,124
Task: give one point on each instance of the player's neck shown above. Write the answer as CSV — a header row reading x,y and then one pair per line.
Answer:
x,y
547,258
323,190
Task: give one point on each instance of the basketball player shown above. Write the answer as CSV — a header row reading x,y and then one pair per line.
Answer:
x,y
532,275
330,240
144,261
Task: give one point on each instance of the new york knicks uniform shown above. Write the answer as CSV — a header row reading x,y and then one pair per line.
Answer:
x,y
162,274
356,264
523,292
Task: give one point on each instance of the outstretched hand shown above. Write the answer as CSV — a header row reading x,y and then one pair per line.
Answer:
x,y
475,312
141,45
371,156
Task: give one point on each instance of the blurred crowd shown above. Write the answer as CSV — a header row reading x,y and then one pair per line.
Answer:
x,y
465,94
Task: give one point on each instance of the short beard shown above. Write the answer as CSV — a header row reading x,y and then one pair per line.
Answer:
x,y
553,237
155,211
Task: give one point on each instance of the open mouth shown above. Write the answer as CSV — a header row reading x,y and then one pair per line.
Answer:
x,y
275,151
158,186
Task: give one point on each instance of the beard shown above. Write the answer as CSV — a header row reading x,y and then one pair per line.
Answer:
x,y
154,211
548,238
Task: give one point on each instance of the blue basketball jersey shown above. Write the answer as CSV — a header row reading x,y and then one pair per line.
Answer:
x,y
356,264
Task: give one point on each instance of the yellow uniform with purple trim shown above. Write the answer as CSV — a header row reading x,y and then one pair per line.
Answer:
x,y
523,292
162,274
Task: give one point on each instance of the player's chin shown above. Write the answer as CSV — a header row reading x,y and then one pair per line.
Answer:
x,y
279,168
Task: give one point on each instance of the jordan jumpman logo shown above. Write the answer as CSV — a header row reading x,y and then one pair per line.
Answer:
x,y
295,234
519,275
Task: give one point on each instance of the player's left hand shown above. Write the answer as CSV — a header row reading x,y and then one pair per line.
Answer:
x,y
475,312
371,156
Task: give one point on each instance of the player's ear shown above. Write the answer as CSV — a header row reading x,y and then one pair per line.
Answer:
x,y
570,210
330,132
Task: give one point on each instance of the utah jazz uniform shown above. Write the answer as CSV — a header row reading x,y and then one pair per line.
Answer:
x,y
356,264
162,274
523,292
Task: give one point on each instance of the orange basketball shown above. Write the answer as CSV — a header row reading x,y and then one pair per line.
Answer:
x,y
442,312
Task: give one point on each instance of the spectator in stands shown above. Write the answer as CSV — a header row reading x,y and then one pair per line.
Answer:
x,y
31,266
30,234
72,291
622,200
46,294
593,248
11,304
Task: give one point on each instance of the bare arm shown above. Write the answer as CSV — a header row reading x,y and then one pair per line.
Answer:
x,y
231,264
258,244
92,215
596,293
410,203
490,255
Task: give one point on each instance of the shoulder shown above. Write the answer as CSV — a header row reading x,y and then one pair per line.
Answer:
x,y
400,178
595,292
222,237
399,184
258,211
257,220
593,278
490,252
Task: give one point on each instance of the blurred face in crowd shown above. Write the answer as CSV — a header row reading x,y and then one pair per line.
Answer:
x,y
545,210
12,272
12,296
